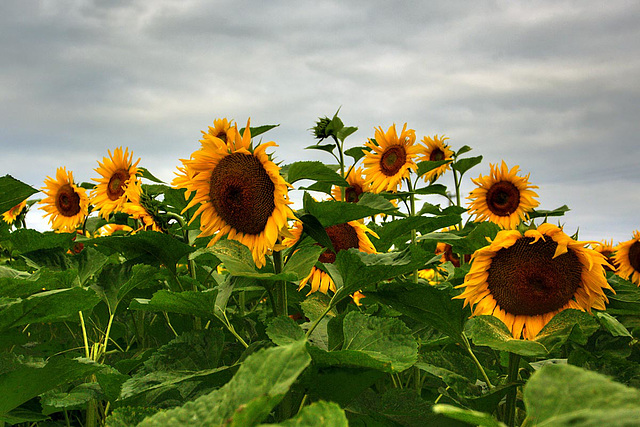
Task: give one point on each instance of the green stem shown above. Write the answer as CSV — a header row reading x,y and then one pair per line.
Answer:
x,y
412,212
476,361
510,408
84,336
106,337
281,286
457,182
316,322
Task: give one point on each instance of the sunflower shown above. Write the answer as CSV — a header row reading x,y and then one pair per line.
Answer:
x,y
109,229
357,186
240,192
391,158
627,259
135,208
117,171
435,149
430,275
524,280
352,234
503,197
182,179
12,214
66,203
222,129
607,249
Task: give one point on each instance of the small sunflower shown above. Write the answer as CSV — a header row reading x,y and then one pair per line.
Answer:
x,y
502,197
240,192
524,280
66,203
607,249
356,187
627,259
12,214
222,129
135,208
435,149
430,275
391,158
117,171
352,234
109,229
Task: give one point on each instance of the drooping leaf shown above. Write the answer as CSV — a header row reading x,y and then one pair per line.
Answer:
x,y
49,306
429,165
313,170
192,303
491,332
148,175
13,192
612,325
565,395
568,324
541,213
356,153
331,212
28,381
258,386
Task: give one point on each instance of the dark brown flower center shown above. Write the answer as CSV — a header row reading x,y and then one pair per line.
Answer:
x,y
393,159
525,278
242,193
115,188
634,255
352,194
67,201
503,198
436,155
343,236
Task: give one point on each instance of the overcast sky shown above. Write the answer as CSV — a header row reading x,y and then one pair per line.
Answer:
x,y
552,86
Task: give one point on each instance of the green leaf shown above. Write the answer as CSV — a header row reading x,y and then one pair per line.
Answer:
x,y
300,263
148,175
358,269
626,300
565,395
612,325
345,132
318,414
356,153
141,277
329,383
258,386
283,331
475,418
429,165
29,381
546,213
381,343
13,192
454,369
49,306
331,212
127,416
316,230
157,247
463,165
313,170
462,150
326,147
192,303
259,130
24,284
574,324
392,231
76,398
491,332
26,240
427,305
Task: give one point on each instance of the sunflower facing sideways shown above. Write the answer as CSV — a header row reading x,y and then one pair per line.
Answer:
x,y
66,203
135,208
117,171
240,192
12,214
391,158
435,149
502,197
526,279
627,259
352,234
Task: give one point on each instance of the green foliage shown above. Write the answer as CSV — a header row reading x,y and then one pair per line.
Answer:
x,y
13,192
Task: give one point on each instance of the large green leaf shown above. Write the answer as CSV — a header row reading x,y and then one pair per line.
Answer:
x,y
29,381
25,284
151,246
258,386
480,419
565,395
13,192
316,171
427,305
463,165
26,240
401,228
331,212
193,303
49,306
381,343
318,414
568,324
283,331
491,332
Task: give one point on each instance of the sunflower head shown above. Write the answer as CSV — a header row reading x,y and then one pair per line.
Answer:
x,y
116,172
627,259
502,197
352,234
109,229
435,149
66,204
357,186
138,206
390,159
320,130
607,249
239,191
525,279
12,214
222,129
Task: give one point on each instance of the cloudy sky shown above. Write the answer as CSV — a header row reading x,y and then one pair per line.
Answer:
x,y
552,86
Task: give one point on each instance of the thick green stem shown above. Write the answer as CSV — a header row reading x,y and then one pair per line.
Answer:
x,y
412,212
84,336
510,408
280,286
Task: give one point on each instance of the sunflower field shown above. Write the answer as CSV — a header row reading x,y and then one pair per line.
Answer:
x,y
382,298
